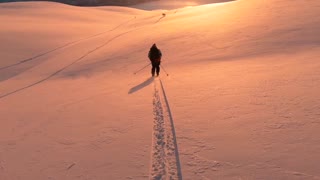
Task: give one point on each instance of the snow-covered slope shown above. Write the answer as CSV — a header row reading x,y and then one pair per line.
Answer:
x,y
174,4
241,100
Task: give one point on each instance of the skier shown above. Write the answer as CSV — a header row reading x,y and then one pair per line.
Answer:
x,y
155,58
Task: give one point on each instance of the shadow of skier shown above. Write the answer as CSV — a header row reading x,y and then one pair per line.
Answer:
x,y
141,85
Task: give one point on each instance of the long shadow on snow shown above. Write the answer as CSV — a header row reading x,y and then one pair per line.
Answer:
x,y
141,85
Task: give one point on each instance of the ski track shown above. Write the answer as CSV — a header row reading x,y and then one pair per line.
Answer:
x,y
65,67
165,155
75,61
63,46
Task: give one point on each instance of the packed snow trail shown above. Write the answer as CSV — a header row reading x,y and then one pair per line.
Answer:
x,y
165,155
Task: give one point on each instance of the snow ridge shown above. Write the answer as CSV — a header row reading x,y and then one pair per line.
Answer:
x,y
165,155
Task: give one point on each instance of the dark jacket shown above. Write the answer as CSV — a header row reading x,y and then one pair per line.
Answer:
x,y
154,54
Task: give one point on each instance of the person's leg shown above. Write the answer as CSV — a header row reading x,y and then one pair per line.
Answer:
x,y
158,69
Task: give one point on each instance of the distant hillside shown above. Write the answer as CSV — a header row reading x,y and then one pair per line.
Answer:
x,y
91,2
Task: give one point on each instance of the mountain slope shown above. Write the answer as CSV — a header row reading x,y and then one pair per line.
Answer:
x,y
241,97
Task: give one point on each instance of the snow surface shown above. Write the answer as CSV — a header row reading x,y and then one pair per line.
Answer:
x,y
174,4
241,100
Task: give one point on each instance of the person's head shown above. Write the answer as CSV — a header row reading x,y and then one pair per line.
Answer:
x,y
154,45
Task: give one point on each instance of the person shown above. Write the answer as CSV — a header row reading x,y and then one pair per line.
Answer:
x,y
155,58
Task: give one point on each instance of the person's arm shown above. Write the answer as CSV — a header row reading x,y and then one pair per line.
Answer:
x,y
149,55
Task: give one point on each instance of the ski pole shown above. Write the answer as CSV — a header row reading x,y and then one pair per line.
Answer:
x,y
164,70
141,69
